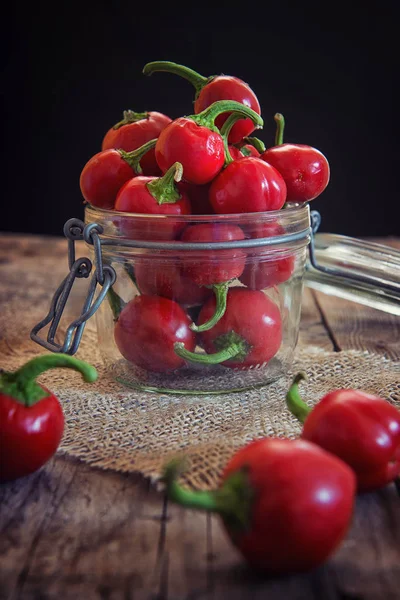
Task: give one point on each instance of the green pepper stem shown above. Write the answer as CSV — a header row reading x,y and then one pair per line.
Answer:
x,y
229,345
232,501
280,128
225,131
197,80
134,157
221,292
163,189
255,142
207,117
21,384
116,303
294,401
129,116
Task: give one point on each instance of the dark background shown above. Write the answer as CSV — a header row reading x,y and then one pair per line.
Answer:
x,y
70,72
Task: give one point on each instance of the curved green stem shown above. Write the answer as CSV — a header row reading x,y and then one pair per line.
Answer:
x,y
255,142
134,157
294,401
280,128
221,292
225,131
197,80
207,117
229,345
232,501
21,384
163,189
131,117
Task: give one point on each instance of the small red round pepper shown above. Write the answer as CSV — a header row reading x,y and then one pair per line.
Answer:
x,y
147,329
31,417
212,89
196,143
272,269
166,278
106,172
285,504
248,334
153,196
305,169
133,131
213,269
361,429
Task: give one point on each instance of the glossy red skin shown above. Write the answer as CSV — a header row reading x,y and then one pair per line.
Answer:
x,y
165,278
199,197
254,317
247,185
302,508
147,329
134,197
213,267
103,176
197,148
305,170
224,87
237,154
253,151
29,435
133,135
363,430
260,273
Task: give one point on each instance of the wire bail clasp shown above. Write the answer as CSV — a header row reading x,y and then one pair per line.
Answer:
x,y
104,275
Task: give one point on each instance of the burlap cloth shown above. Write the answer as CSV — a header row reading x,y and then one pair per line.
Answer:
x,y
110,426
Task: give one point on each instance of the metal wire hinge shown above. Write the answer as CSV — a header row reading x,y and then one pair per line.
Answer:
x,y
103,275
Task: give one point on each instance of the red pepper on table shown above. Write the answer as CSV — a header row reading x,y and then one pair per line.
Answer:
x,y
246,185
304,169
106,172
285,504
213,269
248,334
153,196
361,429
147,329
31,417
212,89
133,131
196,143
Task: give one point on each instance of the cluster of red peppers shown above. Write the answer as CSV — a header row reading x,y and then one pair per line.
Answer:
x,y
201,164
288,504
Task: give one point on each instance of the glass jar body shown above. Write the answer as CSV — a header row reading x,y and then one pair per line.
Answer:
x,y
238,277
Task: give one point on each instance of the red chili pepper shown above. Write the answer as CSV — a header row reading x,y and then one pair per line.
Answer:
x,y
251,146
133,131
147,329
248,334
165,278
213,269
285,504
196,143
212,89
264,271
361,429
153,196
106,172
305,169
31,417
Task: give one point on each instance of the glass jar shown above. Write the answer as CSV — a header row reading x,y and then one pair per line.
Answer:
x,y
237,277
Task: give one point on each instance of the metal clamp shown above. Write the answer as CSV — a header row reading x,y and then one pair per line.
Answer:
x,y
104,275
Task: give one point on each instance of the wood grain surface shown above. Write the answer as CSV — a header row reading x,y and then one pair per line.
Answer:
x,y
74,532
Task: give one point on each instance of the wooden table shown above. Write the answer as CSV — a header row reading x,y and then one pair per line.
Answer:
x,y
71,531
